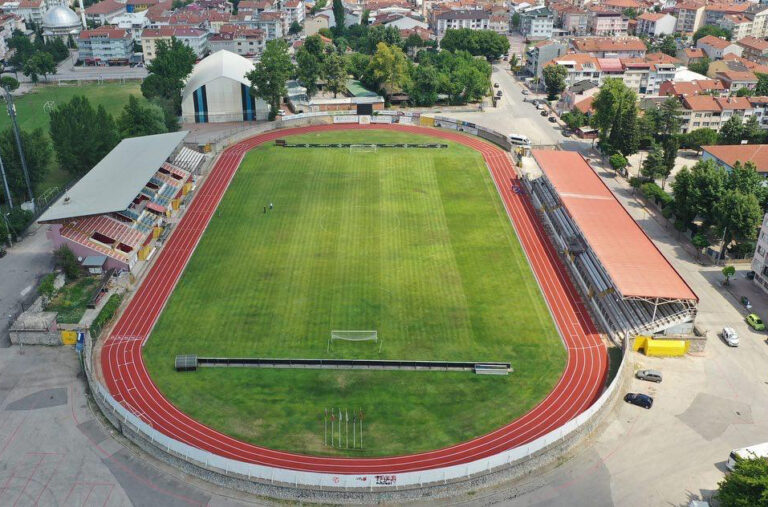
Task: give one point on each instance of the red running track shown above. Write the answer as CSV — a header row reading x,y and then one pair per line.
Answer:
x,y
579,386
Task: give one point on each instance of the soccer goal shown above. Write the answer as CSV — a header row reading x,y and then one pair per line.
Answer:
x,y
362,148
354,336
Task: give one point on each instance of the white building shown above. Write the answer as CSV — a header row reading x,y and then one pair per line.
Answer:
x,y
760,259
655,24
218,90
474,19
536,23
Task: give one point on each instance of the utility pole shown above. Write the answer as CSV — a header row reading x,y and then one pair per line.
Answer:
x,y
12,114
8,230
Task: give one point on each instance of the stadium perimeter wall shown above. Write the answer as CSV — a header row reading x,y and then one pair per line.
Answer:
x,y
350,488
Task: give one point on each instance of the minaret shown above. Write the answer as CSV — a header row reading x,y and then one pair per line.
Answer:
x,y
82,15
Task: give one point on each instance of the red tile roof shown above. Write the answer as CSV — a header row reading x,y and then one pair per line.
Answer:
x,y
104,7
753,43
104,31
712,41
730,154
588,44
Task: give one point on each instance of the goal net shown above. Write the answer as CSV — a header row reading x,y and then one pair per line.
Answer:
x,y
354,336
362,148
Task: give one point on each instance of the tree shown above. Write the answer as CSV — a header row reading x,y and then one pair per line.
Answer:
x,y
713,30
554,80
309,66
700,241
653,166
138,120
366,17
761,89
669,117
618,161
75,122
335,73
338,16
630,12
615,117
270,74
752,131
514,63
357,64
389,67
668,46
670,146
745,92
695,139
574,119
746,485
485,43
66,260
172,64
23,49
294,28
9,83
46,287
744,178
732,131
424,85
39,64
515,20
728,272
37,153
700,67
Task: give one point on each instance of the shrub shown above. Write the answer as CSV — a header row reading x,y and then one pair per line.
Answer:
x,y
618,161
635,182
654,192
67,261
105,315
743,249
668,212
46,288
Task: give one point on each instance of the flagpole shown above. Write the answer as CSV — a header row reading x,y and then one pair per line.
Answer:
x,y
346,425
325,428
332,418
341,418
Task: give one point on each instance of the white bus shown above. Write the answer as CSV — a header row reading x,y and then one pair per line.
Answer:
x,y
753,451
519,139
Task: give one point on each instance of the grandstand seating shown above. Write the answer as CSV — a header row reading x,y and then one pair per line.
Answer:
x,y
621,316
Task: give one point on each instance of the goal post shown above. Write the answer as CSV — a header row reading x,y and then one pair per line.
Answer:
x,y
362,148
354,336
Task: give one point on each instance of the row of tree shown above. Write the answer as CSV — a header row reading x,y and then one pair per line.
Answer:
x,y
38,58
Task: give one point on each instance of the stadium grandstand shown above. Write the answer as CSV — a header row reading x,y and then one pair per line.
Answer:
x,y
630,286
120,207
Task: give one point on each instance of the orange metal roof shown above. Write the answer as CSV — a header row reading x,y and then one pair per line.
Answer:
x,y
637,267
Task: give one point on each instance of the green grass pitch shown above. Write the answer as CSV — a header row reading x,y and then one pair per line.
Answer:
x,y
413,243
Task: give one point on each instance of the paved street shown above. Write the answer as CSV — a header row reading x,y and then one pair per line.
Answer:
x,y
67,71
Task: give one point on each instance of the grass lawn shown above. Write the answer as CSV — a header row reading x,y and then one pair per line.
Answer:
x,y
31,114
412,243
71,300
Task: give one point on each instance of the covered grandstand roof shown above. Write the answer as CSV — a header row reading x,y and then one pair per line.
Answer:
x,y
635,265
117,179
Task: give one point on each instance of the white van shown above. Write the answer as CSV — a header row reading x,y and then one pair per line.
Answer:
x,y
751,452
519,139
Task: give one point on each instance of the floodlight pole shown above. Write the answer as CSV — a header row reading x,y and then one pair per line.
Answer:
x,y
5,184
12,113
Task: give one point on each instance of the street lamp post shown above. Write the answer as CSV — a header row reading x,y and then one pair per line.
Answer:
x,y
5,184
8,229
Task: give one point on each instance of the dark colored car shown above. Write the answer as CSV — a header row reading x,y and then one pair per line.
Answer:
x,y
544,113
2,252
641,400
750,275
552,119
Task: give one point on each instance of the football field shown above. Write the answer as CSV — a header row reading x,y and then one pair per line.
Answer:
x,y
412,243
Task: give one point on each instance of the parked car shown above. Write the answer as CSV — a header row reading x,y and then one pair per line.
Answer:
x,y
566,132
539,105
552,119
498,93
750,275
544,113
745,301
525,92
2,252
495,85
281,112
641,400
730,337
649,375
755,322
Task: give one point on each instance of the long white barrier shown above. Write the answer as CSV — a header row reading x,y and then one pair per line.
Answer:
x,y
273,475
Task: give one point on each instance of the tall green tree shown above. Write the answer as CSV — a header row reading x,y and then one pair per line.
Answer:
x,y
424,85
554,80
39,64
37,153
653,166
335,73
270,74
338,16
309,63
357,64
615,117
752,131
140,120
670,146
173,62
81,135
485,43
761,89
700,67
746,485
738,215
732,131
713,30
698,190
668,46
389,68
697,138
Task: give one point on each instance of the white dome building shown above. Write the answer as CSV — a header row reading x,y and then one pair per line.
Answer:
x,y
218,91
61,21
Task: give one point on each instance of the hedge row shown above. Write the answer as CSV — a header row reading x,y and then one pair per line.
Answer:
x,y
654,192
105,315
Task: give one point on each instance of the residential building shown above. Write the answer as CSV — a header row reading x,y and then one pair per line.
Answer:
x,y
575,21
716,47
734,81
536,23
715,12
105,11
133,23
105,45
610,47
740,25
690,16
541,53
760,259
577,96
754,49
679,89
655,24
195,38
691,55
139,5
701,111
499,24
474,19
733,63
759,15
295,12
603,22
271,23
243,41
316,23
727,156
621,5
32,10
